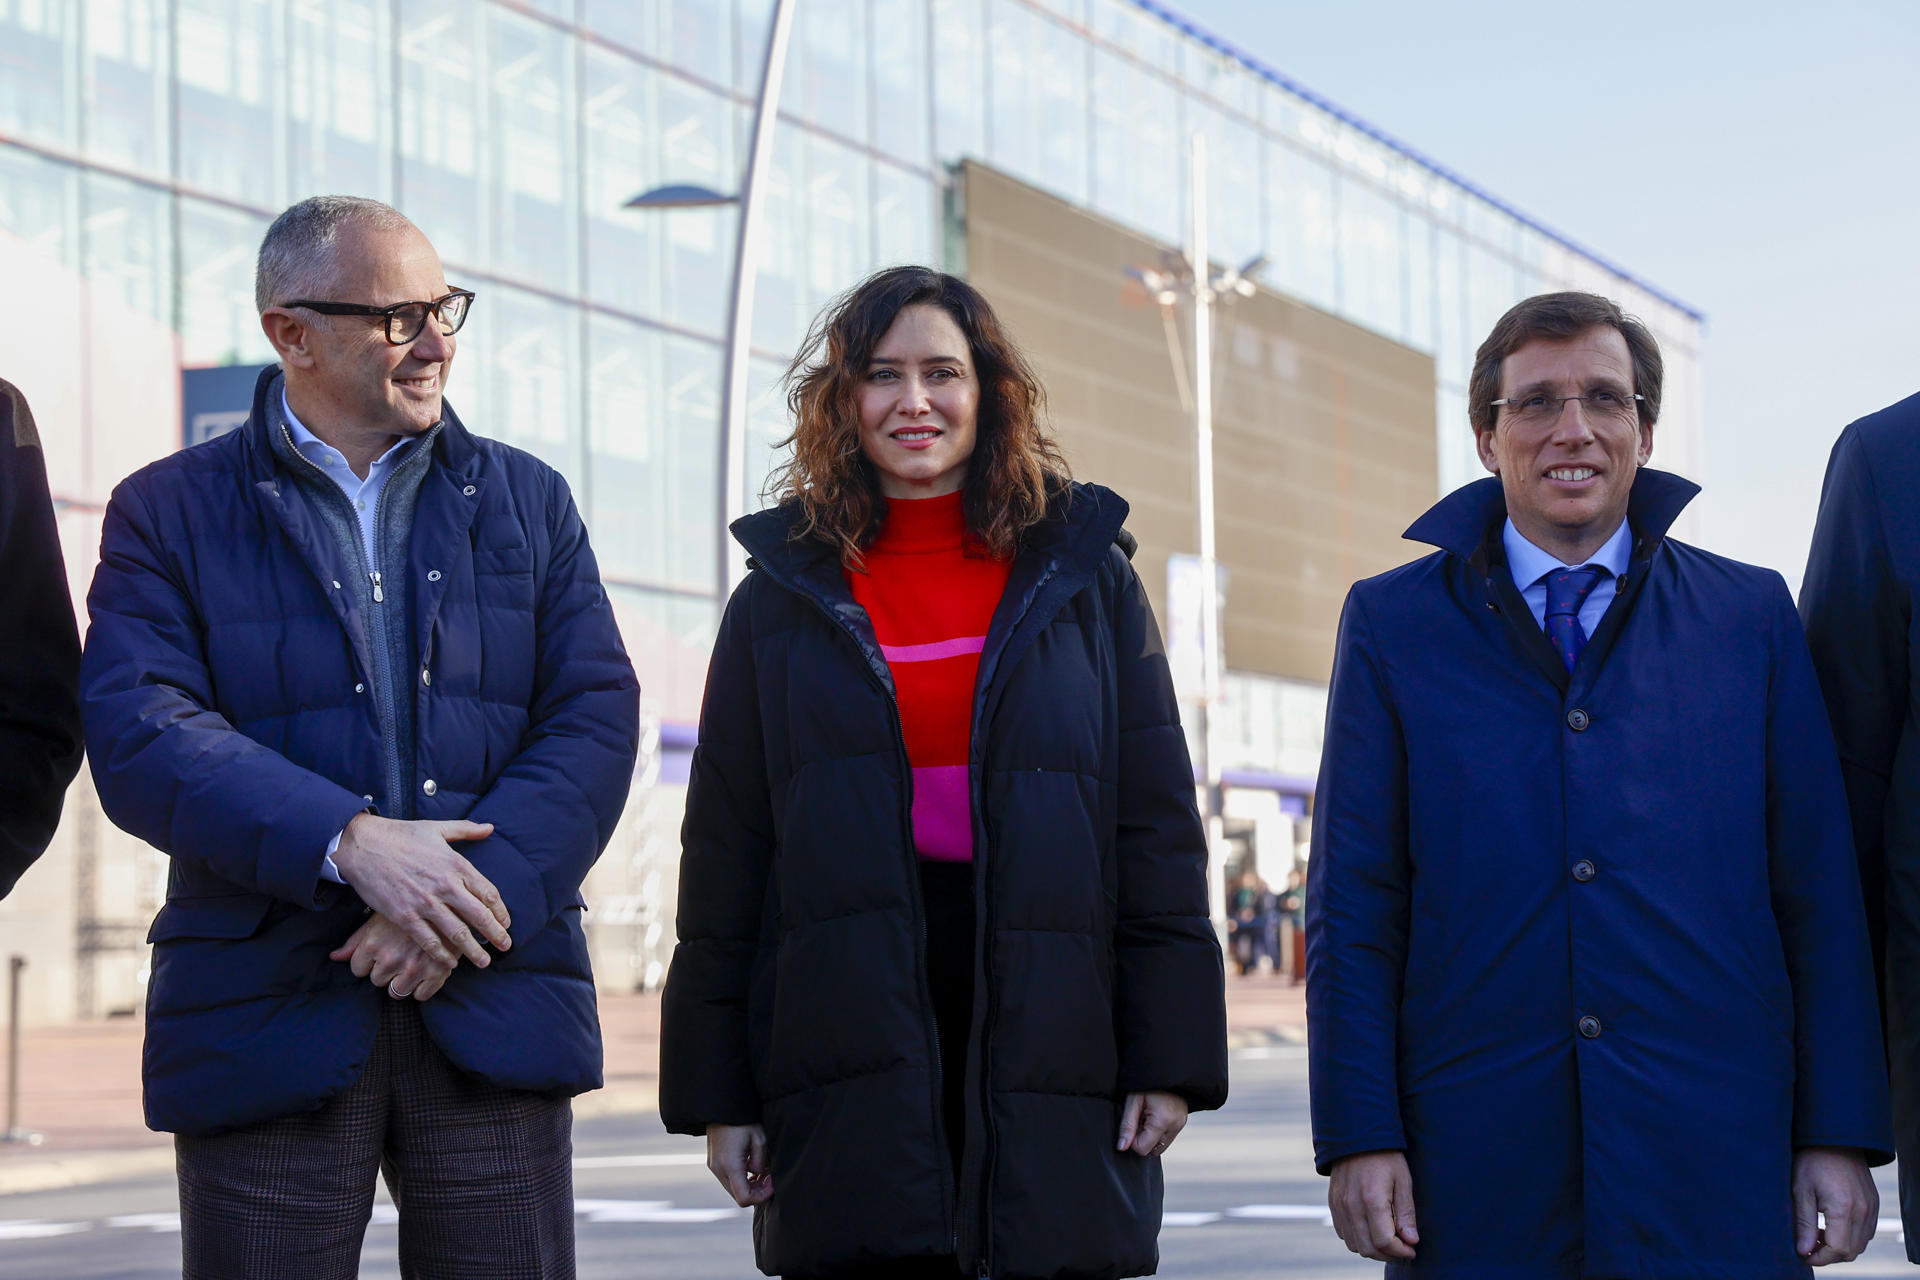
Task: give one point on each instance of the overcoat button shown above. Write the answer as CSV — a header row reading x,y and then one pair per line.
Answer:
x,y
360,688
430,786
433,575
1578,720
1583,871
467,492
1590,1027
336,586
426,676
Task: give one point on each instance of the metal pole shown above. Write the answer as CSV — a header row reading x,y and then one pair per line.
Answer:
x,y
733,387
1209,571
14,1133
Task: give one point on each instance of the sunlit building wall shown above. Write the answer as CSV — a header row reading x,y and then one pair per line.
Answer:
x,y
145,145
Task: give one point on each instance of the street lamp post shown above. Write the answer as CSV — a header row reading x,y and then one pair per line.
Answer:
x,y
1195,279
751,198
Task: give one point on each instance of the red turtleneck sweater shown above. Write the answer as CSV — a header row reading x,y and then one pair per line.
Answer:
x,y
931,604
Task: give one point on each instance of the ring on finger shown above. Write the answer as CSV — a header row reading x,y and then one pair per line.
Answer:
x,y
393,989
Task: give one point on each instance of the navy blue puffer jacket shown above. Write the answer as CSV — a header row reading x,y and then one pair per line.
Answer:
x,y
795,998
225,694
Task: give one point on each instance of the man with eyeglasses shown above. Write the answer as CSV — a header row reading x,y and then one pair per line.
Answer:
x,y
1863,576
1588,987
352,667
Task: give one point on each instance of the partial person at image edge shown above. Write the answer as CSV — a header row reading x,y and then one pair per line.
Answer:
x,y
1588,982
39,650
946,986
326,648
1857,598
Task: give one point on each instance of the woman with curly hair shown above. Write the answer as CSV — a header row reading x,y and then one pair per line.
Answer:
x,y
945,987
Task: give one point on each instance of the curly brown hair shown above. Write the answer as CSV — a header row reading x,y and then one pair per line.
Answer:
x,y
1015,471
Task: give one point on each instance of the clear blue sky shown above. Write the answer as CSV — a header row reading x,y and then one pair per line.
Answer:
x,y
1760,161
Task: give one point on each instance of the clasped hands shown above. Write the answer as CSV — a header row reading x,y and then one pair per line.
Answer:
x,y
430,906
737,1153
1371,1197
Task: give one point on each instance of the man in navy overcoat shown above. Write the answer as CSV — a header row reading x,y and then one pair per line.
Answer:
x,y
1588,984
39,650
1857,599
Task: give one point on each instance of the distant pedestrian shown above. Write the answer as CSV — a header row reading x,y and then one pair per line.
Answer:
x,y
1588,981
1858,599
39,650
945,987
327,649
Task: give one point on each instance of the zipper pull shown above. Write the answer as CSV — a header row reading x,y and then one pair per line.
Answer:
x,y
379,596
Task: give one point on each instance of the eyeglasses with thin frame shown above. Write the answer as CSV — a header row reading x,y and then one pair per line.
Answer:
x,y
404,320
1540,409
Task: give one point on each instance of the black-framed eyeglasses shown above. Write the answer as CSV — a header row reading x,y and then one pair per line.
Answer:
x,y
1540,409
404,320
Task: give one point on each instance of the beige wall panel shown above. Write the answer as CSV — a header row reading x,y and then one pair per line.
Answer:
x,y
1323,431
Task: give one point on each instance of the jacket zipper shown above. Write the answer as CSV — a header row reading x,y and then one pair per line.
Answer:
x,y
378,655
919,909
983,858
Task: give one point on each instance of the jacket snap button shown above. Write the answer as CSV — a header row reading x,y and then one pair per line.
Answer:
x,y
336,586
1583,871
430,786
467,492
426,676
1577,720
433,575
360,688
1590,1027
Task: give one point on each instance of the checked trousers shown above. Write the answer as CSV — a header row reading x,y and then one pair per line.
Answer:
x,y
482,1177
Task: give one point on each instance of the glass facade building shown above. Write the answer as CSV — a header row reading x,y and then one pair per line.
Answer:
x,y
146,144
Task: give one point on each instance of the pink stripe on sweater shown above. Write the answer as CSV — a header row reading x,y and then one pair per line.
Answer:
x,y
943,813
934,650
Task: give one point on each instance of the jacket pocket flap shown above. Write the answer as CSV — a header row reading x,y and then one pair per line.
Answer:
x,y
236,915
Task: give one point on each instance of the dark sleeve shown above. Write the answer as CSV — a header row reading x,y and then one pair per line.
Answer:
x,y
169,768
1840,1080
1358,883
39,650
727,844
1169,984
553,808
1857,616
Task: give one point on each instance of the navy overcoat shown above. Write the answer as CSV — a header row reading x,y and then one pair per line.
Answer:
x,y
1858,601
1589,948
797,998
228,723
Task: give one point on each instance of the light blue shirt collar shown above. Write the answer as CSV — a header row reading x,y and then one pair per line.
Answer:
x,y
324,454
1529,563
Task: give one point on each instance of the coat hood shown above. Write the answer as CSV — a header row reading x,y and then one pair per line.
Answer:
x,y
1458,523
1083,520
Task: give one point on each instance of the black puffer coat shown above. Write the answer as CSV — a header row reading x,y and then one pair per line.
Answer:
x,y
797,997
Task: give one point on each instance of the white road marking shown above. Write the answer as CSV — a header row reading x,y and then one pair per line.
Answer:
x,y
1188,1219
648,1211
641,1161
1284,1213
38,1229
163,1223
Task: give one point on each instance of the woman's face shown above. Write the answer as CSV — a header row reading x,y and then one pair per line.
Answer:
x,y
918,402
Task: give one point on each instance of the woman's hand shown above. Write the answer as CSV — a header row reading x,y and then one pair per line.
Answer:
x,y
1149,1122
737,1155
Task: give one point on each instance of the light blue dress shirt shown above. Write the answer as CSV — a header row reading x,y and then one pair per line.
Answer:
x,y
365,497
1531,565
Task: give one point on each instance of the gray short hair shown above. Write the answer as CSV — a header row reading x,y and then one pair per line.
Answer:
x,y
296,257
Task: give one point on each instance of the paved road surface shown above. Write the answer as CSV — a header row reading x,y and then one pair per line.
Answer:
x,y
1243,1203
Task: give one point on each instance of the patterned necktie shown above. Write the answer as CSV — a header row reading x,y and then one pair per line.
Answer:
x,y
1567,590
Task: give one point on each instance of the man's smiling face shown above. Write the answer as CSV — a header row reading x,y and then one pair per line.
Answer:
x,y
1567,481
